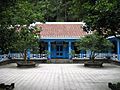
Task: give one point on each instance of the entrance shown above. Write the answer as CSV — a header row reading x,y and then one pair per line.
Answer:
x,y
59,51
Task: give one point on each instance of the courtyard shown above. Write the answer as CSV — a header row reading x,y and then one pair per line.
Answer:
x,y
60,77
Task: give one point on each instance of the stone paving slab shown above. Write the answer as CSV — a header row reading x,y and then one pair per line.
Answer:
x,y
59,77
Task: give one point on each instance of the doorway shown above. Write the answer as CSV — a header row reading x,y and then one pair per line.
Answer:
x,y
59,51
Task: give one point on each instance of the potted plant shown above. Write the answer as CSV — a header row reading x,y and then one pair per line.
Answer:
x,y
96,44
25,41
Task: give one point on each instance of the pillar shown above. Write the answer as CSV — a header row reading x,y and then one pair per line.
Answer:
x,y
118,49
69,49
28,54
49,50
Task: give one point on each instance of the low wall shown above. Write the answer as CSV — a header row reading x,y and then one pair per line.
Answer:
x,y
78,60
117,62
74,60
39,60
5,62
17,60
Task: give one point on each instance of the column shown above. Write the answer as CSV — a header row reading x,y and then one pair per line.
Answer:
x,y
69,50
118,49
49,50
28,54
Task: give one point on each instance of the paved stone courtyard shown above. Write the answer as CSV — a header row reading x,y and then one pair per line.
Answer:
x,y
60,77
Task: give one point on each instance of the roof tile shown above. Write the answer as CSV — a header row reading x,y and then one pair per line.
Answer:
x,y
61,30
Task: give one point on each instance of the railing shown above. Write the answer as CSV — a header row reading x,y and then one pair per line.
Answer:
x,y
98,56
3,57
21,55
44,56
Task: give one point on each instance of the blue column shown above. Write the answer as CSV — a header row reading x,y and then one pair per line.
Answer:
x,y
28,54
69,50
118,49
49,49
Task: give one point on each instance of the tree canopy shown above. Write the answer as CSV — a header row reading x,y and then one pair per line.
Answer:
x,y
102,16
14,14
26,39
95,43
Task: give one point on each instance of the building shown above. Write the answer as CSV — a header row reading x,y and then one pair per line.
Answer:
x,y
58,39
116,42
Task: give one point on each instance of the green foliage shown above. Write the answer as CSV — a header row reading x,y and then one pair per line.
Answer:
x,y
100,15
23,13
72,53
26,39
95,43
103,16
7,37
76,12
14,13
47,52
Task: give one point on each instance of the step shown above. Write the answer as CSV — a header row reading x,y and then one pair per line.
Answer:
x,y
61,61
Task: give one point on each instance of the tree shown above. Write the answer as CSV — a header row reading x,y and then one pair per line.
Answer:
x,y
16,13
102,16
22,12
76,11
7,37
95,43
56,10
26,39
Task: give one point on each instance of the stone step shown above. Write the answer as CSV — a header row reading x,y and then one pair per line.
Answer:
x,y
61,61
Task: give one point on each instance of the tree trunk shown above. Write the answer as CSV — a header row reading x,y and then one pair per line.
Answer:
x,y
25,56
92,56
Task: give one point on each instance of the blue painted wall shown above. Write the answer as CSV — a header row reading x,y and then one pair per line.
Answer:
x,y
118,49
64,51
117,46
59,50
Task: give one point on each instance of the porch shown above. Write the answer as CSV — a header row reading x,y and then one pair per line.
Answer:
x,y
62,49
57,48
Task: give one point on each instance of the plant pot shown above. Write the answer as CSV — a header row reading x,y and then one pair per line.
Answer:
x,y
93,64
26,64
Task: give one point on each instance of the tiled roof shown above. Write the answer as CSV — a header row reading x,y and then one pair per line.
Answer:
x,y
61,30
